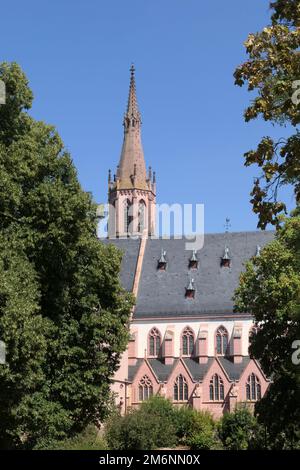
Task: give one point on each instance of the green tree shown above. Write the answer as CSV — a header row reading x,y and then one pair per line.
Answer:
x,y
195,428
73,302
149,427
270,290
273,72
238,429
89,439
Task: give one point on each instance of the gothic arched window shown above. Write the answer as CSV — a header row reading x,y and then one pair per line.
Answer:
x,y
141,216
252,332
127,216
181,391
154,342
221,341
216,388
187,341
145,388
253,388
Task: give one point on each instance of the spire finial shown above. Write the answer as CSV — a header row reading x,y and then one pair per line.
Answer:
x,y
132,70
132,112
227,224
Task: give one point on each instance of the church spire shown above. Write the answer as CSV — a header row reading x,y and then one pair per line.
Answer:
x,y
132,168
132,192
132,105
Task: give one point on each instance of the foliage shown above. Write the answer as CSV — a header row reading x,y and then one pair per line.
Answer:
x,y
88,439
149,427
270,290
204,440
278,411
157,423
270,287
273,71
195,428
237,430
286,11
63,314
159,407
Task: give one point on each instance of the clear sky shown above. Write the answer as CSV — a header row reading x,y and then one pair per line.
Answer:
x,y
77,55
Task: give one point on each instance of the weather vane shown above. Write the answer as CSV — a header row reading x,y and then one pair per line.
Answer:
x,y
227,224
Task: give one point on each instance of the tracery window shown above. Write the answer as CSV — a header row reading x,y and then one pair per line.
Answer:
x,y
187,342
154,342
216,388
221,341
180,391
253,388
145,388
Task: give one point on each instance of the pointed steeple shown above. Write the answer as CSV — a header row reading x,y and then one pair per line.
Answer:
x,y
132,168
132,111
131,191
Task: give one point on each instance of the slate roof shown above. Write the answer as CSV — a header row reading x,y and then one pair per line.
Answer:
x,y
130,249
162,293
234,371
132,370
198,371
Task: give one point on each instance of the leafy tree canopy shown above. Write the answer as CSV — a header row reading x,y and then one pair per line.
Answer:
x,y
63,313
238,430
270,290
270,287
149,427
273,72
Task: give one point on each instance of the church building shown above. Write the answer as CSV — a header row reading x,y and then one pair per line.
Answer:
x,y
186,341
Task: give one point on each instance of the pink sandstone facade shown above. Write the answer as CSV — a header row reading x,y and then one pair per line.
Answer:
x,y
186,342
215,383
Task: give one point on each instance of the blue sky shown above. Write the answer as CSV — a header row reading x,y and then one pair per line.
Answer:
x,y
77,55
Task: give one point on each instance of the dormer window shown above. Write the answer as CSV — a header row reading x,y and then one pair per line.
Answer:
x,y
193,261
190,290
226,260
162,262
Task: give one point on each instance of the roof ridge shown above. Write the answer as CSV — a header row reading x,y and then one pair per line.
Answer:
x,y
187,236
